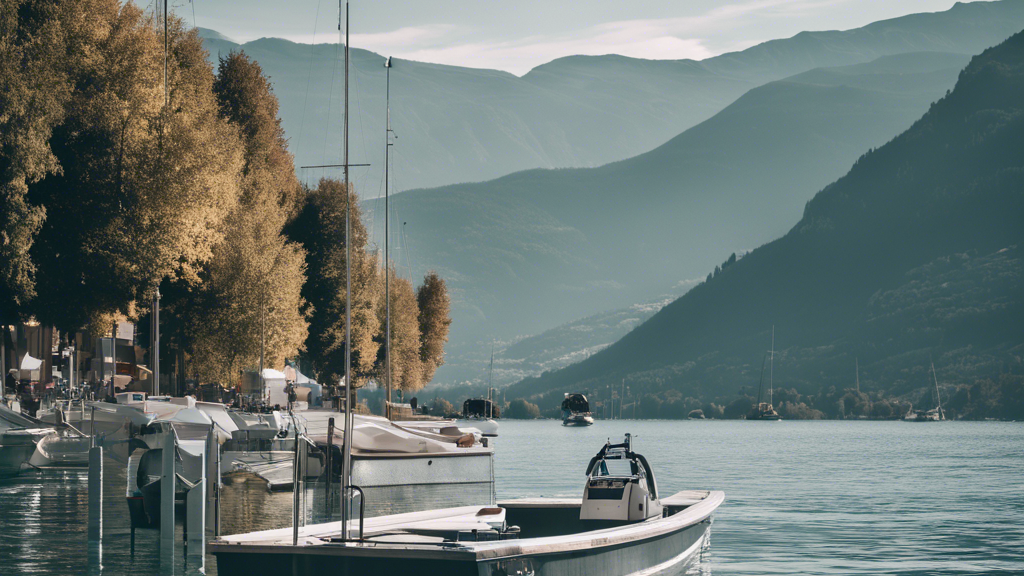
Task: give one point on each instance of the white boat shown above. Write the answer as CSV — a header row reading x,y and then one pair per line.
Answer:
x,y
620,526
486,426
576,410
935,414
17,445
45,445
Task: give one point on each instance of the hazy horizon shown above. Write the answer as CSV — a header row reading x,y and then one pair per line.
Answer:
x,y
517,38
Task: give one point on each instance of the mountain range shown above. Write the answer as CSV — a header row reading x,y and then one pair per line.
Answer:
x,y
535,249
913,256
465,125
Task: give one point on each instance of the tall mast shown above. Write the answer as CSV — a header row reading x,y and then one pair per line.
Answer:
x,y
490,375
155,318
387,261
760,383
771,368
346,460
938,400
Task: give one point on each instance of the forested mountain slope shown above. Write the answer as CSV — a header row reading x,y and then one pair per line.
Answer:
x,y
534,249
915,253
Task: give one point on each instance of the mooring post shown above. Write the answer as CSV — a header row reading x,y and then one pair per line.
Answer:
x,y
216,487
195,518
95,493
212,449
330,470
167,482
295,489
95,538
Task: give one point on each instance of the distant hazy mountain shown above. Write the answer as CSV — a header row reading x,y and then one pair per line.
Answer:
x,y
535,249
550,350
915,253
463,125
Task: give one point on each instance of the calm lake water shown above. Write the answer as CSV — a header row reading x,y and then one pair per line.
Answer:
x,y
801,497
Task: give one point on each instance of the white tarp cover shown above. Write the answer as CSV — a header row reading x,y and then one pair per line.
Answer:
x,y
30,363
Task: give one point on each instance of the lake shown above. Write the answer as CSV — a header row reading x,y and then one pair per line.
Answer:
x,y
801,497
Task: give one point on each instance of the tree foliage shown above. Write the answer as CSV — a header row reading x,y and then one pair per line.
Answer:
x,y
435,320
319,227
144,187
251,297
34,89
406,366
114,182
522,409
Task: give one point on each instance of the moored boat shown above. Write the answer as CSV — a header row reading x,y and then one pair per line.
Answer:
x,y
620,526
765,410
576,410
480,413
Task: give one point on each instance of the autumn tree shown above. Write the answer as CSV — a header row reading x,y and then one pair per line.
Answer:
x,y
406,365
144,188
319,227
251,297
34,89
434,320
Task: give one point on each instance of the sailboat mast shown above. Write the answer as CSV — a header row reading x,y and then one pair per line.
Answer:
x,y
760,383
346,460
771,368
938,399
387,260
490,375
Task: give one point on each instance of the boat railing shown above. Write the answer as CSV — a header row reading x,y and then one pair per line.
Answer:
x,y
362,506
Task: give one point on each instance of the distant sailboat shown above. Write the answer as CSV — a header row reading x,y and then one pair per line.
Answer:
x,y
480,413
765,410
936,414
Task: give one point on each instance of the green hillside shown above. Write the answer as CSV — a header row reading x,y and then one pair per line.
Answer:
x,y
462,125
914,253
535,249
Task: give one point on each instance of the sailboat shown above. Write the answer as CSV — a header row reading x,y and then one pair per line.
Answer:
x,y
480,413
765,410
935,414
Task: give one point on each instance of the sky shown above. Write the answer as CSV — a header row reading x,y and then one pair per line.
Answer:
x,y
516,36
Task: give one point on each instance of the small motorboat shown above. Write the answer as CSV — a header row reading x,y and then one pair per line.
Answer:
x,y
17,445
697,414
576,410
620,526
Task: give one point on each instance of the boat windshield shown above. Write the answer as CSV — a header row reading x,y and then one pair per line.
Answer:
x,y
616,468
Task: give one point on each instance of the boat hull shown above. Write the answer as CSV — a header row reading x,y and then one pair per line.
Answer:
x,y
658,546
668,554
578,420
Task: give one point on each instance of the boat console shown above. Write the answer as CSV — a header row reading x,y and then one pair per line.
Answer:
x,y
620,486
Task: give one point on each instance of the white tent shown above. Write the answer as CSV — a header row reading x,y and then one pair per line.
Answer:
x,y
274,380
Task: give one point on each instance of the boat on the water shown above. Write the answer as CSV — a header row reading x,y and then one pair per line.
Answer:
x,y
480,413
17,445
46,445
576,410
765,410
620,526
697,414
935,414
